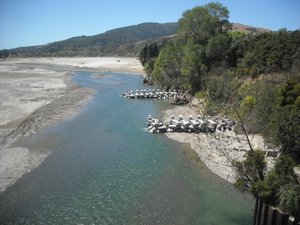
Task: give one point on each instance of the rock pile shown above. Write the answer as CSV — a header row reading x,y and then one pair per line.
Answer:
x,y
200,124
152,93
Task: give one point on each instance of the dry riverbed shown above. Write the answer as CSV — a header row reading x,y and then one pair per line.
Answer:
x,y
38,92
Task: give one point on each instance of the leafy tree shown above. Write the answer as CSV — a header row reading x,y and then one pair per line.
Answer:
x,y
251,171
279,187
217,46
148,52
143,55
286,119
272,51
167,68
203,22
193,66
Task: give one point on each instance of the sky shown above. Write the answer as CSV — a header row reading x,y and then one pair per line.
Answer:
x,y
36,22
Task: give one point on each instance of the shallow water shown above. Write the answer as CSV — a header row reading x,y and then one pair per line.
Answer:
x,y
105,169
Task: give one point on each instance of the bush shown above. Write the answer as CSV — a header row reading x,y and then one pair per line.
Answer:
x,y
247,104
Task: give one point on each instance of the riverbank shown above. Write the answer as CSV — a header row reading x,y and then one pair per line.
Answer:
x,y
217,150
101,64
36,93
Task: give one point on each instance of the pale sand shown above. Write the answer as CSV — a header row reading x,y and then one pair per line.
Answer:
x,y
117,64
37,92
219,149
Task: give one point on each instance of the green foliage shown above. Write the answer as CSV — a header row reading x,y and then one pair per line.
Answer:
x,y
236,35
251,73
280,186
289,93
149,52
200,95
282,177
247,104
290,199
272,51
222,88
251,171
207,58
184,63
193,67
256,116
285,121
203,22
217,46
167,68
149,67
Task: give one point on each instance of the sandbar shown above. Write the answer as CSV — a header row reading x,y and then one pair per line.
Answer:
x,y
38,92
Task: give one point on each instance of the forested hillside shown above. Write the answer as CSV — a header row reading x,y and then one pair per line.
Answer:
x,y
254,76
121,42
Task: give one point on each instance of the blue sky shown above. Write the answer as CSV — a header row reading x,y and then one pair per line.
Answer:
x,y
34,22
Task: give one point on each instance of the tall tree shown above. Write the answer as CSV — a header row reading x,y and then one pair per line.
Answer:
x,y
167,68
193,66
203,22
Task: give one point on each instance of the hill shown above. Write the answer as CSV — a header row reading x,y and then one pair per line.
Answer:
x,y
125,41
119,41
248,29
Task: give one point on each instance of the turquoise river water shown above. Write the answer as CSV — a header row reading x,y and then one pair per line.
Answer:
x,y
105,169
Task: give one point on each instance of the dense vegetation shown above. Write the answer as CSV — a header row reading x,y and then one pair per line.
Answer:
x,y
122,42
256,75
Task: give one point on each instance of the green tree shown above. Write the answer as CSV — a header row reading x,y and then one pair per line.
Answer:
x,y
167,68
279,187
286,119
251,171
203,22
193,67
217,46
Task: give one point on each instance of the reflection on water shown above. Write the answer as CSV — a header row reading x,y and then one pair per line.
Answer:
x,y
105,169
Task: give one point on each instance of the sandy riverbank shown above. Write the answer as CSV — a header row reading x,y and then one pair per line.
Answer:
x,y
115,64
36,93
219,149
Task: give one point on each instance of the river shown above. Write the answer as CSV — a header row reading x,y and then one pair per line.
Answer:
x,y
105,169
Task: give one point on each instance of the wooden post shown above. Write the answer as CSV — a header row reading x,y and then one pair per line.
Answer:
x,y
264,214
279,218
285,219
271,216
255,211
258,212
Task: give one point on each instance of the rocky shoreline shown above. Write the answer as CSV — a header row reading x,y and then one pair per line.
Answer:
x,y
218,150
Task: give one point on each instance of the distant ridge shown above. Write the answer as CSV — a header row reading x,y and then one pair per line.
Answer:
x,y
118,41
124,41
248,29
